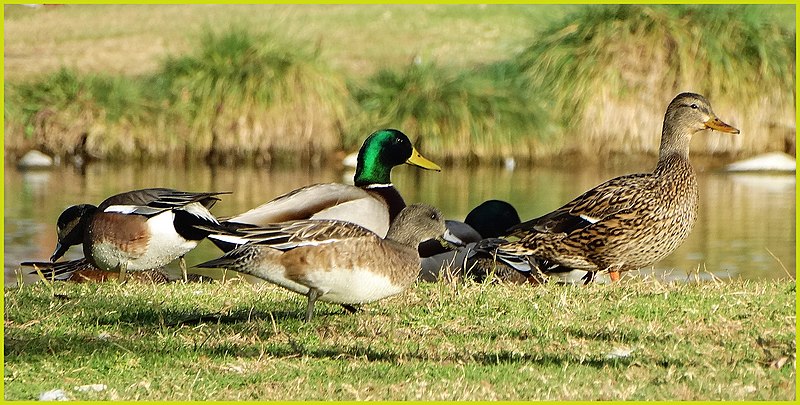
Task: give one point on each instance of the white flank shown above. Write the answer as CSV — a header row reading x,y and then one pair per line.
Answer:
x,y
165,246
351,286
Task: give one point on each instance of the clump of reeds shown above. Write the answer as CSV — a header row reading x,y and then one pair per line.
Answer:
x,y
608,73
454,115
246,94
65,111
240,95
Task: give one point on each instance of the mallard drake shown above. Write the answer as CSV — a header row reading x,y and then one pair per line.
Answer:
x,y
335,261
138,230
631,221
471,246
489,219
373,202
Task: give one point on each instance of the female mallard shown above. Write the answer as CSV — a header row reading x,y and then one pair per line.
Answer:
x,y
335,261
631,221
372,203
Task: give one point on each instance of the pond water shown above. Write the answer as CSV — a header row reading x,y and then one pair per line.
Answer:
x,y
746,225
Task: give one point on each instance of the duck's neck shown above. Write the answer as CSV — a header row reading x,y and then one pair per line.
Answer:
x,y
674,145
401,234
372,171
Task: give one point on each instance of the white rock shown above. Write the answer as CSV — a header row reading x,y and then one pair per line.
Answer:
x,y
351,160
619,353
54,395
91,387
509,163
776,161
35,159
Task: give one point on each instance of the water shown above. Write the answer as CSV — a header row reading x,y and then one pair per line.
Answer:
x,y
746,226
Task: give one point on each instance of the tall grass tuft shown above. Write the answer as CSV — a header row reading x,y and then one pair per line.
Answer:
x,y
64,109
240,95
473,115
608,73
246,94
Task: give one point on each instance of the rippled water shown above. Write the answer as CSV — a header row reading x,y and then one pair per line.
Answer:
x,y
746,227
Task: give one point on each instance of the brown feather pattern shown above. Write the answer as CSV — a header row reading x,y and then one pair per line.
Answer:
x,y
631,221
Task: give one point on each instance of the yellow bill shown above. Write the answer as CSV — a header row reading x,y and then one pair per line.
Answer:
x,y
420,161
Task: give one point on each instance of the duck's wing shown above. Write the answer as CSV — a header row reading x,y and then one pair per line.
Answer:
x,y
153,201
289,235
322,201
598,204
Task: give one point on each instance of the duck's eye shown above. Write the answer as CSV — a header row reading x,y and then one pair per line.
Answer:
x,y
694,106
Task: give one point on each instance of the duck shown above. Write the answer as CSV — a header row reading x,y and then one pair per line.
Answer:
x,y
488,219
631,221
333,260
468,252
137,230
372,202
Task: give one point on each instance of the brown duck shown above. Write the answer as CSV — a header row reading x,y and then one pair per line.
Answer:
x,y
628,222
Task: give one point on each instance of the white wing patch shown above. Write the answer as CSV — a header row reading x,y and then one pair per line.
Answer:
x,y
122,209
589,219
236,240
199,211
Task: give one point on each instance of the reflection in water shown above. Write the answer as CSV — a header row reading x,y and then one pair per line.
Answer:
x,y
744,219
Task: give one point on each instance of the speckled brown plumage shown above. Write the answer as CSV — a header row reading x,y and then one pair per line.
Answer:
x,y
335,261
631,221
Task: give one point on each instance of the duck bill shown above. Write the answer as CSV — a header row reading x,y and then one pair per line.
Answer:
x,y
446,243
717,125
60,250
420,161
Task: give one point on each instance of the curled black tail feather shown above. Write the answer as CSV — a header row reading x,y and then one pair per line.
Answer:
x,y
59,270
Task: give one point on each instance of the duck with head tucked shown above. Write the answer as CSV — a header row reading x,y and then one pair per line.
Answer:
x,y
137,230
628,222
373,202
489,219
334,261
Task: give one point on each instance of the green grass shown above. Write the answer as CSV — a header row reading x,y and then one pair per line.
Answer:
x,y
236,341
357,39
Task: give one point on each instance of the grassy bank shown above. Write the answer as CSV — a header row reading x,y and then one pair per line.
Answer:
x,y
588,79
631,341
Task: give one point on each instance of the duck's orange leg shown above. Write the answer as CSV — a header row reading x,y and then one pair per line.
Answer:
x,y
614,275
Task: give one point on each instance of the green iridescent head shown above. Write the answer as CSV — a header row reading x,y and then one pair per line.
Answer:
x,y
382,151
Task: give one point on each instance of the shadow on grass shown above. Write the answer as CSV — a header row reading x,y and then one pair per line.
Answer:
x,y
17,349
